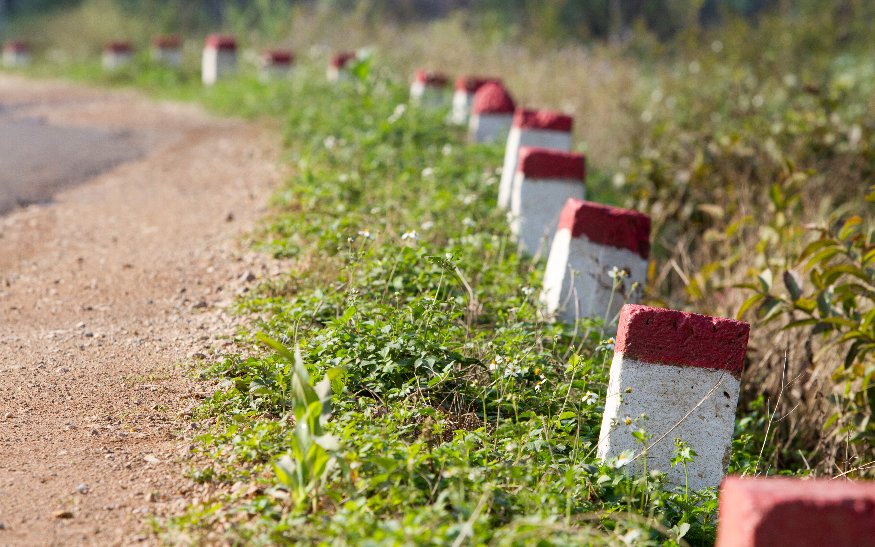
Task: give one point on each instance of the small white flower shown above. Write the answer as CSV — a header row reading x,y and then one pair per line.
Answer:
x,y
329,142
528,291
590,398
447,150
427,172
365,234
623,459
397,113
409,235
427,225
617,273
469,222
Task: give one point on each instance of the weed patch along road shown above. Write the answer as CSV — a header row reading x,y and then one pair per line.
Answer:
x,y
105,292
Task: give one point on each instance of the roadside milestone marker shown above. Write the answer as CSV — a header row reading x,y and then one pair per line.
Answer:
x,y
429,88
16,53
338,67
116,54
675,375
219,59
762,512
491,113
541,128
276,64
167,50
597,263
463,96
544,181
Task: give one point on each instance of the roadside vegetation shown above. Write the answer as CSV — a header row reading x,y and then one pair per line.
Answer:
x,y
398,386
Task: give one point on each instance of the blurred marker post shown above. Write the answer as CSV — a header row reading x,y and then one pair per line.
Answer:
x,y
767,511
429,89
276,64
597,262
338,66
491,114
463,96
16,54
540,128
167,49
544,181
675,375
116,54
219,59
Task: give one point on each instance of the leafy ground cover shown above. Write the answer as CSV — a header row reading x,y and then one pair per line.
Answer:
x,y
398,385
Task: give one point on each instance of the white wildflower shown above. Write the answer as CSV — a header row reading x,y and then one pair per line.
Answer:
x,y
409,235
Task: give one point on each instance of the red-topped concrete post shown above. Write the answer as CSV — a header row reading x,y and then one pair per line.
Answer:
x,y
541,128
429,88
167,50
675,375
16,53
463,96
491,114
338,66
276,64
545,179
219,58
597,263
116,54
766,512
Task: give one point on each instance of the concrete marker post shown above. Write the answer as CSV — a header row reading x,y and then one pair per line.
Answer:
x,y
463,96
276,64
544,181
541,128
763,512
491,114
167,50
429,89
16,54
597,263
338,66
674,375
219,59
117,54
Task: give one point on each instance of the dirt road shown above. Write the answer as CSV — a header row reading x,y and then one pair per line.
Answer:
x,y
105,293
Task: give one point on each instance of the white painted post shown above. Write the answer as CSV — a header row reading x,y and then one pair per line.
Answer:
x,y
541,128
167,50
219,58
491,114
276,64
463,96
338,67
768,511
117,54
675,375
16,53
544,181
429,89
597,263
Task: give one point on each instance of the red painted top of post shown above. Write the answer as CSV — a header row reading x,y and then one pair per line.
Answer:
x,y
118,46
279,57
786,511
167,41
671,337
549,120
221,42
18,46
605,225
432,79
470,84
546,163
492,98
342,59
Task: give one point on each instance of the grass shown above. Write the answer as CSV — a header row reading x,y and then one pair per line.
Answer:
x,y
455,415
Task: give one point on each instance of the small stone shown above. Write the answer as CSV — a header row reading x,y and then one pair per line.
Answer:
x,y
200,304
82,488
247,276
149,458
63,514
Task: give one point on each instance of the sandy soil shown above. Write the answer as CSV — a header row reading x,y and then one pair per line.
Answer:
x,y
106,294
